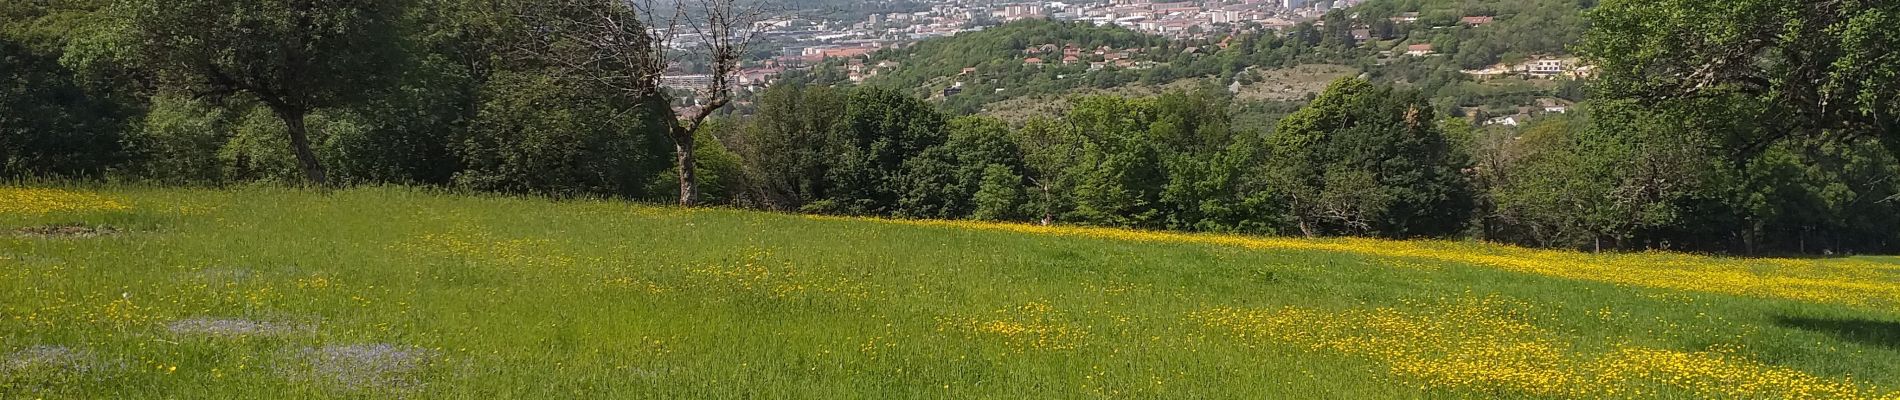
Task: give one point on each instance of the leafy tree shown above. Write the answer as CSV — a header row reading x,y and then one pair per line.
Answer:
x,y
1368,160
784,147
180,139
622,47
49,124
1118,175
1810,66
878,132
943,181
721,174
1049,149
294,57
1543,188
404,132
999,197
537,134
1204,158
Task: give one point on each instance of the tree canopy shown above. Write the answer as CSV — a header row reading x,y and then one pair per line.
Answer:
x,y
294,56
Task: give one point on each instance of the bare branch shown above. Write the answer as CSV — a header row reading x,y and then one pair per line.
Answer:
x,y
628,45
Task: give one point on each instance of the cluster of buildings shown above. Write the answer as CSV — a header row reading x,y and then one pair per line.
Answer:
x,y
1183,19
803,42
1096,58
1545,68
1543,106
814,41
1541,67
1161,17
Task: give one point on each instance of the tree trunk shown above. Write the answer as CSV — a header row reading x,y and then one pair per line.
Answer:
x,y
684,146
300,145
1048,206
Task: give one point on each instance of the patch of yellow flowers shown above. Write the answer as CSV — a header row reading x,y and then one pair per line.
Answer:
x,y
779,280
1481,343
1723,372
1032,326
1848,281
37,201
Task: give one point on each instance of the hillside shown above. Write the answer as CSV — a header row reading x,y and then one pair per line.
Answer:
x,y
1286,86
1499,30
1037,60
998,64
386,292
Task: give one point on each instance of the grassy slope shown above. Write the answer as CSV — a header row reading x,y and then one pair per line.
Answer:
x,y
524,298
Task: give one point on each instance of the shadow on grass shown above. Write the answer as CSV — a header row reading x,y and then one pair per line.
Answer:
x,y
1878,333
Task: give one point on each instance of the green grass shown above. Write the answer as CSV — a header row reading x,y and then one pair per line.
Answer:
x,y
496,297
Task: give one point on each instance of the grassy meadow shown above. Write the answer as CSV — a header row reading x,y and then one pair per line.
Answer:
x,y
131,292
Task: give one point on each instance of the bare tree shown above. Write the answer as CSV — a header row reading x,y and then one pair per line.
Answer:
x,y
627,45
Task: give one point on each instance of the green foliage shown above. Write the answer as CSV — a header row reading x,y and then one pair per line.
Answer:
x,y
1001,47
1049,148
944,181
879,131
1546,187
1615,177
258,149
301,55
1811,67
1000,195
536,134
721,172
998,55
294,57
784,148
1117,176
49,124
1365,159
1518,29
1713,116
180,139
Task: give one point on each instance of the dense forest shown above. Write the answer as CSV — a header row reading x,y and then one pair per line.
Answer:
x,y
1731,125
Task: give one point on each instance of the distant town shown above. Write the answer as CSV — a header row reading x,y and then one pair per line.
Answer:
x,y
804,41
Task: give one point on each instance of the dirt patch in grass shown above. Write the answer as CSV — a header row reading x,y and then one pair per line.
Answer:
x,y
49,368
236,328
373,368
47,358
68,231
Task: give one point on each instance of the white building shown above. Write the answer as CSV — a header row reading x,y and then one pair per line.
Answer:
x,y
1546,68
1020,11
1224,17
